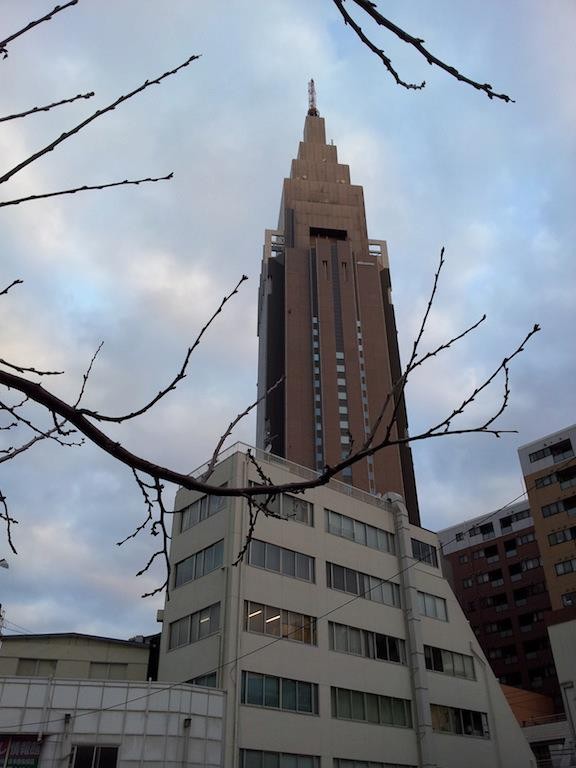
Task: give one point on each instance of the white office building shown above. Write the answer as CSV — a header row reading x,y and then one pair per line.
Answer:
x,y
337,638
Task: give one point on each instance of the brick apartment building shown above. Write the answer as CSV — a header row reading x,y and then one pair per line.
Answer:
x,y
549,469
497,574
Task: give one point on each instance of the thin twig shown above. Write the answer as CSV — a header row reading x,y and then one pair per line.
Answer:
x,y
149,507
77,128
378,51
5,515
370,8
85,188
179,376
47,107
86,375
23,369
12,284
44,434
164,550
252,519
12,452
32,24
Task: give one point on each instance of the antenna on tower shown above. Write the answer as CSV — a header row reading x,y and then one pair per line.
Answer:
x,y
312,109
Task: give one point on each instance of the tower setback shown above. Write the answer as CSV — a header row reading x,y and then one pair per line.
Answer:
x,y
326,328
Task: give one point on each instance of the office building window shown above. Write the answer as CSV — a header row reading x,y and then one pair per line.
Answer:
x,y
368,587
569,599
88,756
362,642
36,667
424,552
370,708
280,560
361,533
195,626
463,722
432,606
254,758
449,662
107,671
279,693
288,507
207,681
468,582
199,564
199,510
266,620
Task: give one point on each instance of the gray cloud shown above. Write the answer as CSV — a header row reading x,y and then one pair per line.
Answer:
x,y
142,268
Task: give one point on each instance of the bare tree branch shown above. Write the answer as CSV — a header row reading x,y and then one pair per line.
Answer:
x,y
67,134
86,375
378,51
149,507
51,402
85,188
159,526
47,107
253,512
371,10
9,521
41,433
22,369
12,452
32,24
12,284
179,376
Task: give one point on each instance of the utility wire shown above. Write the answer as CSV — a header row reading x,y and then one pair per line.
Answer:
x,y
233,661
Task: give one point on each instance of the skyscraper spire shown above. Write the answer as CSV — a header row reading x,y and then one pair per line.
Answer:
x,y
312,109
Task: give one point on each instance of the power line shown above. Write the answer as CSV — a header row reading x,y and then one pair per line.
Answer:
x,y
275,640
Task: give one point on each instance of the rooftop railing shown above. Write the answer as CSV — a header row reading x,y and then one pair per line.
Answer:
x,y
296,469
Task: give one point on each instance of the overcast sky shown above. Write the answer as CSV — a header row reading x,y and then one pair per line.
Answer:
x,y
142,268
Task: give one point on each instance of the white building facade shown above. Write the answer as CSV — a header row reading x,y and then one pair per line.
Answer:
x,y
67,723
337,639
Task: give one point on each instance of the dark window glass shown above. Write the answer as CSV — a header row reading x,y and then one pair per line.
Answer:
x,y
289,694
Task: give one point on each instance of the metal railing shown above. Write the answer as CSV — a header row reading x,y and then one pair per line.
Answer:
x,y
296,469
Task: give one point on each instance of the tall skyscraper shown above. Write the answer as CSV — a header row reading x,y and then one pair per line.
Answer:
x,y
326,327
